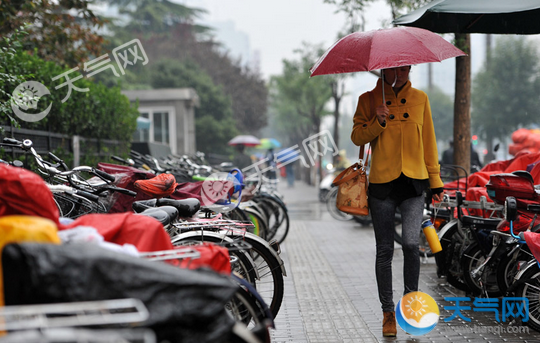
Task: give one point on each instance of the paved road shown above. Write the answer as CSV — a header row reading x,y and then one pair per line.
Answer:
x,y
330,291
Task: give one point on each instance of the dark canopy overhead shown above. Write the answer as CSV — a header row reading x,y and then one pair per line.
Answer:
x,y
476,16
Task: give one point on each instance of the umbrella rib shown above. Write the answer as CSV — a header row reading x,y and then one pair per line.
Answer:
x,y
474,21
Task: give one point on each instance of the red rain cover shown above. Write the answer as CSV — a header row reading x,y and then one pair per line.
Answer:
x,y
24,192
127,176
160,186
212,256
188,190
533,242
522,161
145,233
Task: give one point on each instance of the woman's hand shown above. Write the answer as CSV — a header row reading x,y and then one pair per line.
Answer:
x,y
382,113
438,197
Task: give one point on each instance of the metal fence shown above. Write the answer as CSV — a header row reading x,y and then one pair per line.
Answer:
x,y
75,148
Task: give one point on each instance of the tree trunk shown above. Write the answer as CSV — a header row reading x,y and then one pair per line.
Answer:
x,y
490,156
462,105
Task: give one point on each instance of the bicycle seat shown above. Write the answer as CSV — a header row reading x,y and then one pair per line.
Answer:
x,y
185,207
165,215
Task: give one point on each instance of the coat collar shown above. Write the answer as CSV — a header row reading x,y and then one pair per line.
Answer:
x,y
388,91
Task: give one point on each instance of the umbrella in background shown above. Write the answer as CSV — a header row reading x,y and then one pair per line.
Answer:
x,y
246,140
383,49
269,143
478,16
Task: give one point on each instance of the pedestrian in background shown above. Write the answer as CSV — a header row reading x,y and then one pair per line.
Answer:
x,y
241,160
404,164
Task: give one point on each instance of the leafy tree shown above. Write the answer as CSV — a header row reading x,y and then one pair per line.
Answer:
x,y
442,111
167,30
102,112
505,91
354,9
298,101
10,73
214,123
61,31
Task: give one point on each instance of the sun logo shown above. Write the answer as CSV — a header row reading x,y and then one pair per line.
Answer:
x,y
416,306
417,313
222,192
27,98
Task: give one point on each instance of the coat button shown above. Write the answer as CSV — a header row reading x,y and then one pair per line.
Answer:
x,y
365,125
389,102
406,115
391,116
403,101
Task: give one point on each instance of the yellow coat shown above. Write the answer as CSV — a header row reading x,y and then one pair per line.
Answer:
x,y
407,143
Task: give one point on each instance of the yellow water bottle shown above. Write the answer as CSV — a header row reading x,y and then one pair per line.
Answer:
x,y
431,236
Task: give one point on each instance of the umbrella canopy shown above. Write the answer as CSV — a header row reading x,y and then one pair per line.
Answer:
x,y
269,143
382,49
246,140
478,16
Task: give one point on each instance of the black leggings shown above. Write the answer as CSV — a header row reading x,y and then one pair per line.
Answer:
x,y
382,214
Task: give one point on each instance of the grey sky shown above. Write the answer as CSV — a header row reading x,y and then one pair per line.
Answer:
x,y
277,27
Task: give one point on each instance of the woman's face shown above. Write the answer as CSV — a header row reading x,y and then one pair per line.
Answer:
x,y
399,75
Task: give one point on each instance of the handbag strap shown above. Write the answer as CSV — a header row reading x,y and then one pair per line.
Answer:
x,y
341,179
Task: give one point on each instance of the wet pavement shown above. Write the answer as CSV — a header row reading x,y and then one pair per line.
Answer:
x,y
331,293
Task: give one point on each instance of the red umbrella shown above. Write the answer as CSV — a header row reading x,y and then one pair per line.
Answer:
x,y
382,49
246,140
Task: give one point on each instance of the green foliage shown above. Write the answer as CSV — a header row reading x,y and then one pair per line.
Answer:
x,y
298,101
102,113
214,123
60,31
442,111
505,91
10,73
172,41
355,8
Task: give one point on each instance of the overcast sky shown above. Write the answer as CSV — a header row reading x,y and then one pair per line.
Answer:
x,y
277,27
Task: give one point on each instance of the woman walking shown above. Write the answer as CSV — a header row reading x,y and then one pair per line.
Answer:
x,y
404,164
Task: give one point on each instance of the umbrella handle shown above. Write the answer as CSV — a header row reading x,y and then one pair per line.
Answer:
x,y
382,84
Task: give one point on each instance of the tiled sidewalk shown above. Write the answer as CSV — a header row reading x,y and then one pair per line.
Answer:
x,y
330,293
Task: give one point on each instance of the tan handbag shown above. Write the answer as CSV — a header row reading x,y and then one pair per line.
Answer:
x,y
352,197
352,185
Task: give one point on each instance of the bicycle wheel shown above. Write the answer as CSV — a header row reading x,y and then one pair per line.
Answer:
x,y
278,218
245,308
448,261
508,267
268,265
244,267
332,208
472,258
530,289
259,220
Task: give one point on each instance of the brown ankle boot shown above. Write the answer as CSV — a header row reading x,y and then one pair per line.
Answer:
x,y
389,324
